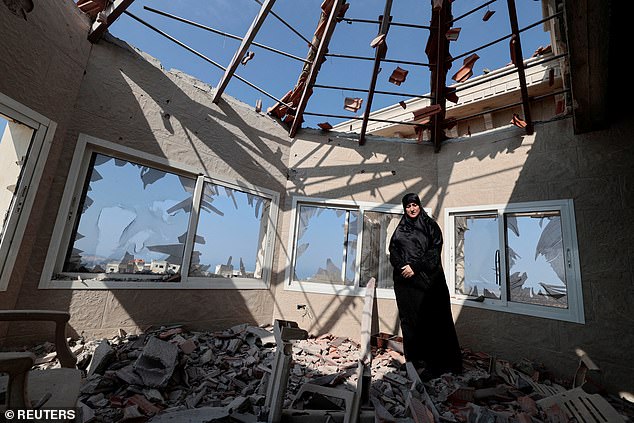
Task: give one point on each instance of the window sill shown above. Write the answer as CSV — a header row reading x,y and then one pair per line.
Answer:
x,y
77,281
565,315
338,290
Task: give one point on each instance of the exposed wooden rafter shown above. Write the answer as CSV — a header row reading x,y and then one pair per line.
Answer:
x,y
379,54
242,50
437,50
317,60
518,60
106,17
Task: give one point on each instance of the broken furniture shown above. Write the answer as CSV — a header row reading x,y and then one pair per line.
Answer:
x,y
285,332
360,394
51,388
585,364
578,405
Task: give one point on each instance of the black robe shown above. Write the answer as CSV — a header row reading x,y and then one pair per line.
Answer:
x,y
429,334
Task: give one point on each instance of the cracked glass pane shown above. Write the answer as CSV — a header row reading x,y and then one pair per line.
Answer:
x,y
476,256
231,234
536,259
375,260
134,220
320,249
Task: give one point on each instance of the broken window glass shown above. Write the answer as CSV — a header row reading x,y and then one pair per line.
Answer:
x,y
535,257
133,220
477,256
378,228
15,140
231,234
326,245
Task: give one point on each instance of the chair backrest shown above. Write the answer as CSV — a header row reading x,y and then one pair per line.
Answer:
x,y
21,384
64,354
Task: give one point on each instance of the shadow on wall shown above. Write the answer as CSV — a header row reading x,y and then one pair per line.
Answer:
x,y
505,166
129,101
126,100
333,166
593,170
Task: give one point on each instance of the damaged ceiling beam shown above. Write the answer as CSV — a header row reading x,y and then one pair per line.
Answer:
x,y
242,50
437,50
106,17
518,60
380,52
319,57
224,34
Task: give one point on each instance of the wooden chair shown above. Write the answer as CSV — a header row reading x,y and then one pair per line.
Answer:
x,y
50,388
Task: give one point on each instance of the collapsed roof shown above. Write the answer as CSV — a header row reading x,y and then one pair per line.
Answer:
x,y
427,106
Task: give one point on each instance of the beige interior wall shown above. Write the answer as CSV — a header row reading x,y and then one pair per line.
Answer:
x,y
42,60
123,98
503,166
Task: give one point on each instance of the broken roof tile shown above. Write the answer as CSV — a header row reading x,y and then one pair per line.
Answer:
x,y
378,40
512,46
426,112
398,75
326,126
352,104
233,388
488,15
450,94
518,121
91,7
452,34
466,71
542,50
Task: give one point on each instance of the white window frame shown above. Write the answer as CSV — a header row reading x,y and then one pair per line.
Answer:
x,y
68,213
333,289
574,312
18,216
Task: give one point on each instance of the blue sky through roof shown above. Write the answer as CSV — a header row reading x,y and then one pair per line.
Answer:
x,y
277,74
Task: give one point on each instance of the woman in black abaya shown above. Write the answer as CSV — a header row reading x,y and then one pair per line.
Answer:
x,y
422,296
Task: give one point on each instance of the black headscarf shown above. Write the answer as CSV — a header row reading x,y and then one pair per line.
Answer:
x,y
411,198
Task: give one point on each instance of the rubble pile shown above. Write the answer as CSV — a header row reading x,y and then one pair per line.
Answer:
x,y
171,374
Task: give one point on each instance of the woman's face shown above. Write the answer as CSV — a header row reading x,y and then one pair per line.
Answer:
x,y
412,210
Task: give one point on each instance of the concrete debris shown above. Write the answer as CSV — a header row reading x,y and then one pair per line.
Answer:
x,y
176,375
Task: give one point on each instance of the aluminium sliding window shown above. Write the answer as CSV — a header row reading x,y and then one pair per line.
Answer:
x,y
133,220
137,221
520,258
25,138
337,246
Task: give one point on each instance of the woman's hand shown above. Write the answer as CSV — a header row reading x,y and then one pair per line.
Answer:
x,y
406,271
